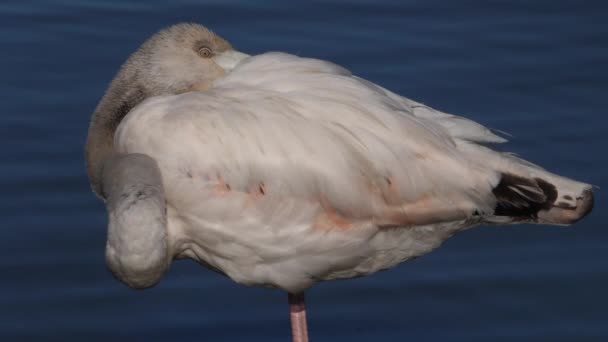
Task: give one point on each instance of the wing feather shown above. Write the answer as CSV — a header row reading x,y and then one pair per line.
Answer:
x,y
308,130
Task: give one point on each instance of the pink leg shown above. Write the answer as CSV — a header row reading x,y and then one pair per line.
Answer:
x,y
297,312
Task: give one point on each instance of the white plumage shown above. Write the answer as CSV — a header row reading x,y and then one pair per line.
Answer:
x,y
284,171
290,171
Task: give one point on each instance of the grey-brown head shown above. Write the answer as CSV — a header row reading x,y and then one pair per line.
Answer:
x,y
181,58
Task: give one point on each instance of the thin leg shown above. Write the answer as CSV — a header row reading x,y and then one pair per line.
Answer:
x,y
297,313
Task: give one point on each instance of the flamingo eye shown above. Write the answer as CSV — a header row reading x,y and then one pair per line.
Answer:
x,y
205,52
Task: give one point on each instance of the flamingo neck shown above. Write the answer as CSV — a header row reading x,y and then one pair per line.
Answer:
x,y
114,106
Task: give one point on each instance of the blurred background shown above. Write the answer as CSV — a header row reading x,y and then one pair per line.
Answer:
x,y
534,69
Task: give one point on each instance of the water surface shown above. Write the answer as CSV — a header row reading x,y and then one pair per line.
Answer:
x,y
534,69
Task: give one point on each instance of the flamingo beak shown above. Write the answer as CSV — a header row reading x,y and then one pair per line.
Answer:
x,y
229,59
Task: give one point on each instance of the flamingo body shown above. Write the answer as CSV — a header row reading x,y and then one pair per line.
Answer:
x,y
284,171
290,171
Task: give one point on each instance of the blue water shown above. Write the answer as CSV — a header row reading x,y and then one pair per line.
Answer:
x,y
535,69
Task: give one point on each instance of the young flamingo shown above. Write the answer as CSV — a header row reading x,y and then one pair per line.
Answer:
x,y
284,171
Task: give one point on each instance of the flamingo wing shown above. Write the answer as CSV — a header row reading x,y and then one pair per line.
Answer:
x,y
305,129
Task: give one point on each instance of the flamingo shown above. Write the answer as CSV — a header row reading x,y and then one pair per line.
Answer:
x,y
283,171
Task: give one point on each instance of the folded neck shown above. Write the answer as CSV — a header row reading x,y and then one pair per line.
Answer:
x,y
114,106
